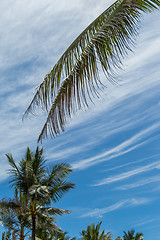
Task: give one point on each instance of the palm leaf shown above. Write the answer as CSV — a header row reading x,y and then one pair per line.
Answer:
x,y
8,220
15,171
45,220
54,211
7,204
74,79
39,163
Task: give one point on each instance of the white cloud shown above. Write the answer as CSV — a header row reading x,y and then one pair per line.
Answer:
x,y
122,148
131,163
99,212
139,183
128,174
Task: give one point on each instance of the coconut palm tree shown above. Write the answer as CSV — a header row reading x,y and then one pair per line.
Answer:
x,y
14,216
93,233
74,80
131,235
6,235
41,186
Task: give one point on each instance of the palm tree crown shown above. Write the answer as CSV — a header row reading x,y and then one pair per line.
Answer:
x,y
93,233
131,235
74,79
40,185
15,216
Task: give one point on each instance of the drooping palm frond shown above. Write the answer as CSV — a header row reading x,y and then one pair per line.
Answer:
x,y
19,172
74,79
45,220
8,220
16,172
54,211
7,204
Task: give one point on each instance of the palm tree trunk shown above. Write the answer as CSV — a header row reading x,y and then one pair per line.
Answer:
x,y
22,233
33,226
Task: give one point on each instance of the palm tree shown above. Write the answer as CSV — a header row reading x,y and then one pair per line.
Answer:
x,y
14,216
41,186
93,233
74,79
6,235
130,235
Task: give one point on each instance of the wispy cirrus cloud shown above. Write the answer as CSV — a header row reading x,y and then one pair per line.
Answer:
x,y
122,176
139,183
99,212
124,147
131,163
33,36
146,221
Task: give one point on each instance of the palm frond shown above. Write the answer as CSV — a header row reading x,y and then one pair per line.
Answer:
x,y
54,211
59,189
57,173
47,221
8,220
49,87
106,40
7,204
15,171
39,163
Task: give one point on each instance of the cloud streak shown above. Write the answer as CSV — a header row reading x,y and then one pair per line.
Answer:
x,y
139,183
99,212
119,150
128,174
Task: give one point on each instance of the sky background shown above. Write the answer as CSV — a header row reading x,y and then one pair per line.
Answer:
x,y
113,147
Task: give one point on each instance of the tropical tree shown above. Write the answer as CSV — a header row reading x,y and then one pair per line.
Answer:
x,y
93,233
6,235
131,235
74,79
41,186
61,236
14,216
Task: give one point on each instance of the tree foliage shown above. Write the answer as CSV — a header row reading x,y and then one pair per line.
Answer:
x,y
132,236
93,233
40,186
74,80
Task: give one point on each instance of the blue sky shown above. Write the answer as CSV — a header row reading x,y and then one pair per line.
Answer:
x,y
113,147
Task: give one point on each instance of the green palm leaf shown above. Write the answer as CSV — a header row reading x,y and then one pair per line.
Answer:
x,y
93,233
47,221
74,79
130,235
